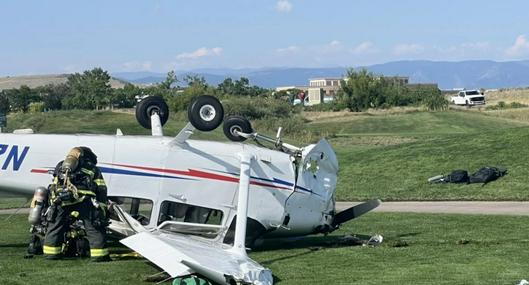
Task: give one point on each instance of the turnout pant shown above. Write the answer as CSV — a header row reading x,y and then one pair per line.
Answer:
x,y
59,224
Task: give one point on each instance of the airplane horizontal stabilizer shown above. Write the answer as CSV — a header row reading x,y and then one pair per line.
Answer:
x,y
355,212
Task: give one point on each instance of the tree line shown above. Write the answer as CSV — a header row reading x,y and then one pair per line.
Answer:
x,y
91,90
362,90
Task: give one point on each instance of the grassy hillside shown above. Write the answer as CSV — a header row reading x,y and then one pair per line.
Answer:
x,y
417,249
414,123
400,172
520,95
33,81
391,157
382,155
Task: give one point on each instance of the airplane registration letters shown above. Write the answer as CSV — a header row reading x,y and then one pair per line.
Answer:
x,y
12,156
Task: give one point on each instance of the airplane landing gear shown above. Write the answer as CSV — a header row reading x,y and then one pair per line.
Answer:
x,y
147,107
234,124
205,113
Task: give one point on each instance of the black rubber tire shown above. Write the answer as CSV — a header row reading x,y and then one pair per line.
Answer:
x,y
195,113
147,107
238,123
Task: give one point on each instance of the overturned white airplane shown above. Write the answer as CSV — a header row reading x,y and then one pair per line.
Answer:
x,y
190,206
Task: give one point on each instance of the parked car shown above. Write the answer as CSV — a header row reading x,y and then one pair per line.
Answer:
x,y
468,98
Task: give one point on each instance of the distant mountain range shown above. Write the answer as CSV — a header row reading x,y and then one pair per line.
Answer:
x,y
448,75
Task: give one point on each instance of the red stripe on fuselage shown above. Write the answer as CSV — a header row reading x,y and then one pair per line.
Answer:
x,y
39,171
199,174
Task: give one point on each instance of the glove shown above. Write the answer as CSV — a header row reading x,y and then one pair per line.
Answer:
x,y
99,215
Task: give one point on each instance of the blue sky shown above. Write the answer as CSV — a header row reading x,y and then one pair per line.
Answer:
x,y
60,36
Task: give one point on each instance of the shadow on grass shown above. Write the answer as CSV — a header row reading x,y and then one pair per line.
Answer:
x,y
14,245
270,261
313,242
408,235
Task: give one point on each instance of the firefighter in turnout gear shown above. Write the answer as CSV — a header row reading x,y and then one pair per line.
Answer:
x,y
78,189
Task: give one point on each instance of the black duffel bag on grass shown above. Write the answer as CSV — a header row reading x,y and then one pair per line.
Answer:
x,y
486,175
458,176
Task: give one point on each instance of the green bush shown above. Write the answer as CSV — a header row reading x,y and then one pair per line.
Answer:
x,y
180,101
435,102
364,90
257,107
515,105
296,128
502,105
36,107
292,125
326,107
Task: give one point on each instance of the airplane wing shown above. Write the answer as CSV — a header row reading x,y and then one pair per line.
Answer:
x,y
172,248
181,255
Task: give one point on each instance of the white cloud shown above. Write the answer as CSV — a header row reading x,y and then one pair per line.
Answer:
x,y
283,6
363,48
335,43
519,48
137,66
199,53
332,47
289,49
407,49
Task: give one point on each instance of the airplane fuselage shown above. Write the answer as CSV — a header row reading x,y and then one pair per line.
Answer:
x,y
286,198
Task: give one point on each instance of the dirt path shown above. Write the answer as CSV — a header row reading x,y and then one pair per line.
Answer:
x,y
453,207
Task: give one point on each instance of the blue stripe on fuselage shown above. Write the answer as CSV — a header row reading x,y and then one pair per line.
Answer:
x,y
137,173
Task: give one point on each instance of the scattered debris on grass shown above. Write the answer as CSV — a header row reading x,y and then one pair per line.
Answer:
x,y
463,241
375,240
354,240
349,240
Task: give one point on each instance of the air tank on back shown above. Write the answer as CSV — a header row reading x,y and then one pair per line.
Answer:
x,y
39,200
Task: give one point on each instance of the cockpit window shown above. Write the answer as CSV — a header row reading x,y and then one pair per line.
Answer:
x,y
179,212
139,209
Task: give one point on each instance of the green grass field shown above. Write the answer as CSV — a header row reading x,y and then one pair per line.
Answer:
x,y
8,201
441,249
383,155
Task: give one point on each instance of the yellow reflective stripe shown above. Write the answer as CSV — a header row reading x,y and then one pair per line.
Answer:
x,y
81,199
89,172
52,250
100,182
86,192
97,252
